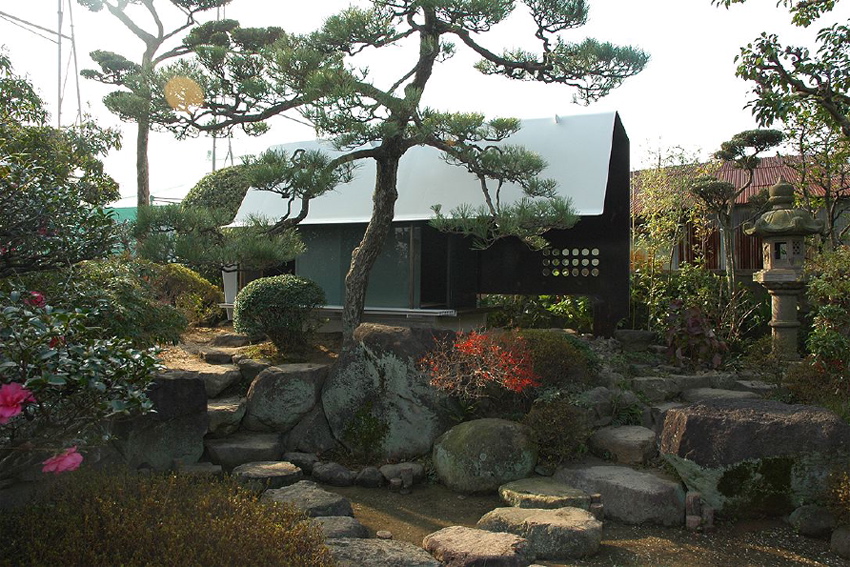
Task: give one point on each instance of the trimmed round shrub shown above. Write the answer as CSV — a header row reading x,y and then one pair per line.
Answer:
x,y
281,308
559,428
119,518
222,190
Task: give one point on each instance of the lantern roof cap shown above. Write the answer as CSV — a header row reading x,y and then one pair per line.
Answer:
x,y
783,219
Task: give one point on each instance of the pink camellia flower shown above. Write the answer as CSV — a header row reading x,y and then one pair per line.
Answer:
x,y
69,460
35,299
13,396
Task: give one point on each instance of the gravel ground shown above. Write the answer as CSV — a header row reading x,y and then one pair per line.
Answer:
x,y
767,543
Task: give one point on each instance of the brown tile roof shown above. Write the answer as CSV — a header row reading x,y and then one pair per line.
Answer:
x,y
769,171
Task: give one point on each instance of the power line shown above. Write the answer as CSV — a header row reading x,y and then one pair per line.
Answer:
x,y
10,17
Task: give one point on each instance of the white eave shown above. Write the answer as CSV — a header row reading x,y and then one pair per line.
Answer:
x,y
577,149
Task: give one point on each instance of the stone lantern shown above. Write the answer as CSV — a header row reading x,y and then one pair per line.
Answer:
x,y
783,230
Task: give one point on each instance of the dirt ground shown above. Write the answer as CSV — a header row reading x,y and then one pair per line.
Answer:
x,y
431,507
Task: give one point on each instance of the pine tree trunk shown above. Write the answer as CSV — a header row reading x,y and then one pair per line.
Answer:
x,y
364,255
143,190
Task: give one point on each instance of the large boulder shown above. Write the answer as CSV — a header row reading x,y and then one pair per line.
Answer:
x,y
483,454
174,432
379,378
311,434
752,456
630,496
280,396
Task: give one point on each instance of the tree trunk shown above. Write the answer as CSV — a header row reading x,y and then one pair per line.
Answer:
x,y
729,252
143,190
364,255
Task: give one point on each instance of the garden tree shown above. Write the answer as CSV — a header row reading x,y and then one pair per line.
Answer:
x,y
666,209
823,164
719,197
785,76
198,238
252,75
140,98
52,184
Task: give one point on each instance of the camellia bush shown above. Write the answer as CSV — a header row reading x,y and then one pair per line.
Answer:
x,y
59,381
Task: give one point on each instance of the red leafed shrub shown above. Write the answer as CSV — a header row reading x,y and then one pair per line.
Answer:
x,y
474,363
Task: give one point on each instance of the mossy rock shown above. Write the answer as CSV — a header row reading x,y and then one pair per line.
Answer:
x,y
481,455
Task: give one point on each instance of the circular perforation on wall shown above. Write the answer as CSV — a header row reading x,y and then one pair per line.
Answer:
x,y
573,262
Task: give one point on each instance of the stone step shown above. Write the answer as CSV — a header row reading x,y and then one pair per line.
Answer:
x,y
355,552
543,492
310,498
627,445
630,496
244,447
225,415
703,394
469,547
262,475
562,533
216,356
216,377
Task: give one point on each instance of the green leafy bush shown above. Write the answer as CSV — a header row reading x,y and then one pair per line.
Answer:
x,y
119,518
75,378
829,294
539,311
561,361
281,308
365,433
560,429
188,292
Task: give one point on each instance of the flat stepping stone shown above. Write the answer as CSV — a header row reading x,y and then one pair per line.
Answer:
x,y
213,356
630,496
225,415
655,388
263,475
755,386
702,394
230,340
563,533
310,498
543,492
355,552
627,445
459,546
341,526
217,377
244,447
691,381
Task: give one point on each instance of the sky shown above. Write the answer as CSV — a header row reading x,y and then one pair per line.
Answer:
x,y
687,96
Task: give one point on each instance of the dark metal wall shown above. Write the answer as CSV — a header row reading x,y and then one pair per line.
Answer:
x,y
591,259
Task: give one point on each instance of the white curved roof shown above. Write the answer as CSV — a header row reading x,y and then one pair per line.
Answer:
x,y
577,149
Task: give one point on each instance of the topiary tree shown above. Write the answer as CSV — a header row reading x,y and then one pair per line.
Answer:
x,y
281,308
222,190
